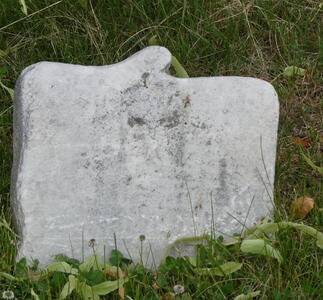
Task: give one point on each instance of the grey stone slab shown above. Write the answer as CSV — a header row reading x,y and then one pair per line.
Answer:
x,y
129,149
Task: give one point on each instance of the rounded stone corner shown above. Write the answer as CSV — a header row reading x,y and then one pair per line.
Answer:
x,y
155,59
272,92
267,89
26,71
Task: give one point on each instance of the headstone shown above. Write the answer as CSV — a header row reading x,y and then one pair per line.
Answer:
x,y
128,149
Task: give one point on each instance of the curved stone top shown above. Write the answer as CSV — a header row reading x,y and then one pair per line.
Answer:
x,y
129,149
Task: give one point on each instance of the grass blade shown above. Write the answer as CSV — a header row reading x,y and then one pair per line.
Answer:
x,y
10,91
35,296
23,7
180,71
307,159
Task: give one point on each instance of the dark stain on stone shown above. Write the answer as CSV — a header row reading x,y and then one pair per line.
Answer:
x,y
106,151
86,164
200,125
187,101
132,89
139,136
170,121
144,78
145,75
179,152
129,178
197,207
222,190
99,166
132,121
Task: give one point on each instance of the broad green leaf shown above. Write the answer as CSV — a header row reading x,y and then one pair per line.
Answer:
x,y
261,247
92,262
68,287
97,263
230,241
71,261
8,276
93,277
268,228
107,287
319,243
192,261
249,231
247,296
87,292
292,70
116,258
180,71
307,159
225,269
21,267
23,7
188,239
60,267
307,229
83,3
10,91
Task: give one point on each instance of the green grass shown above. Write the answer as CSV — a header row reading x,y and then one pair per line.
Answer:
x,y
210,38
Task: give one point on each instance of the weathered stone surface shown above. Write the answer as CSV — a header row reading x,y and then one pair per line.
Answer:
x,y
115,149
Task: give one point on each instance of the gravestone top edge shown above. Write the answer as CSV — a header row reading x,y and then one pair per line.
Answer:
x,y
164,58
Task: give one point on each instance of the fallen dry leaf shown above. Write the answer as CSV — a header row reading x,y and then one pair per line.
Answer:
x,y
301,207
155,286
301,142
